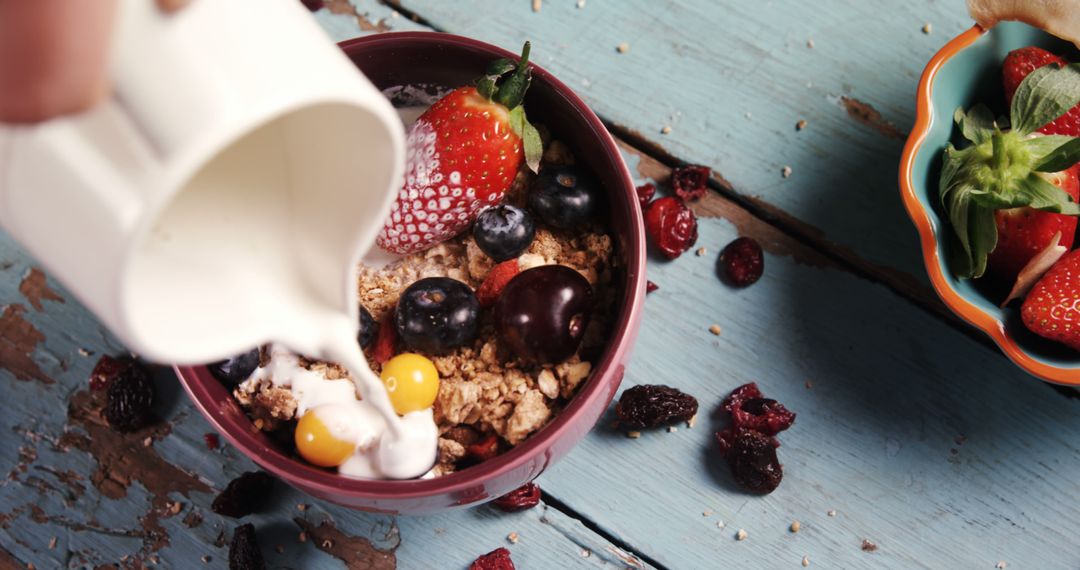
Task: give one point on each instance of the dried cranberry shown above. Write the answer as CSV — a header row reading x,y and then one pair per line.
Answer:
x,y
244,552
752,457
645,194
742,262
107,369
525,497
211,440
498,559
129,399
484,449
244,495
671,225
691,182
749,410
649,406
650,287
386,341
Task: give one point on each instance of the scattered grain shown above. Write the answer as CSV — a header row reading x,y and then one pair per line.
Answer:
x,y
512,537
795,526
805,561
800,125
302,507
148,441
666,130
52,543
327,544
633,434
394,14
700,251
536,5
868,545
622,47
690,423
715,329
749,115
84,352
302,537
785,171
1001,565
580,4
206,559
706,513
741,535
720,524
927,28
831,513
585,553
672,429
810,44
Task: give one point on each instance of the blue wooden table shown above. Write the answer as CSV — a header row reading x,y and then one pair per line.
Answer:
x,y
917,445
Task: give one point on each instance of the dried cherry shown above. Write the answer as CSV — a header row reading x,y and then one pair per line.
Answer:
x,y
650,287
691,182
742,262
244,552
107,369
671,225
244,495
498,559
749,410
752,457
645,194
211,440
523,498
653,405
129,399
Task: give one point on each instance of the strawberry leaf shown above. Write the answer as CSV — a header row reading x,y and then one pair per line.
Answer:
x,y
1037,192
977,124
1060,158
1040,145
530,138
1044,95
975,230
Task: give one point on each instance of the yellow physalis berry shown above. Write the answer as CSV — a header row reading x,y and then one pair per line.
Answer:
x,y
411,381
317,445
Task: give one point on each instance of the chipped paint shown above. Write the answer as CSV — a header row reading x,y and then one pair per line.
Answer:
x,y
123,459
355,551
345,7
18,340
35,287
865,114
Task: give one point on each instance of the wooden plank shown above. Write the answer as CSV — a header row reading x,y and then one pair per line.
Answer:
x,y
732,79
928,444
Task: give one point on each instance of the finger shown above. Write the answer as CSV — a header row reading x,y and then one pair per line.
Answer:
x,y
52,57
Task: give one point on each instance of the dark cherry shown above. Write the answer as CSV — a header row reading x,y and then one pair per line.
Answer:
x,y
235,370
543,312
369,329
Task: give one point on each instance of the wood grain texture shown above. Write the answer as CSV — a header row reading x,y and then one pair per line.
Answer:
x,y
921,440
732,79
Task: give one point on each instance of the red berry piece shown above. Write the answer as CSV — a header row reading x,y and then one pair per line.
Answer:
x,y
691,182
750,410
244,495
386,341
650,287
107,369
498,559
129,399
650,406
496,279
484,449
671,225
211,440
742,262
645,194
244,552
752,458
523,498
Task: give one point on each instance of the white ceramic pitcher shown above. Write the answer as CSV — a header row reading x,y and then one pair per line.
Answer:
x,y
240,160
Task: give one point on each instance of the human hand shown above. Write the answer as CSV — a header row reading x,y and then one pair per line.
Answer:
x,y
53,56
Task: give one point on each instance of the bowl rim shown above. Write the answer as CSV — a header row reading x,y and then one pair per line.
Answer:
x,y
924,115
610,365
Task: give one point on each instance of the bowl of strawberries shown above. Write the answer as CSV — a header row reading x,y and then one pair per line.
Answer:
x,y
989,176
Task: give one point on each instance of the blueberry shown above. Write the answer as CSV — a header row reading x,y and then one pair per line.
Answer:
x,y
368,328
564,197
503,232
235,370
437,314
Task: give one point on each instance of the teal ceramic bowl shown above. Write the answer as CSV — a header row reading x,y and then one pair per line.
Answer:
x,y
965,72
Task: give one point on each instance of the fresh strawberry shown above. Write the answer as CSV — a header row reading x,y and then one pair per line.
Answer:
x,y
496,279
1010,189
1018,64
462,154
1024,232
1052,308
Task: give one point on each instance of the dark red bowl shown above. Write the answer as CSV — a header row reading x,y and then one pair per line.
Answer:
x,y
394,59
